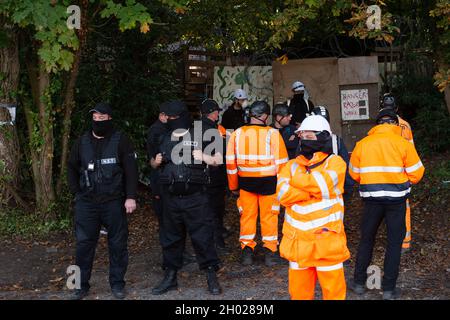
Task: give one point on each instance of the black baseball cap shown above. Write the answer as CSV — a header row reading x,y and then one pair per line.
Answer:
x,y
103,108
163,108
208,106
387,112
174,108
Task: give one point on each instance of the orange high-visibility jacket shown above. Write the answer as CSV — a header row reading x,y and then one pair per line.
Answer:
x,y
313,229
254,151
222,131
406,130
385,164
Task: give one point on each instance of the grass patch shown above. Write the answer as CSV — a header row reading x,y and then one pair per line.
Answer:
x,y
17,223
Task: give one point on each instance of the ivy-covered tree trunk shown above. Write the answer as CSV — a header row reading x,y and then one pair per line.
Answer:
x,y
40,120
9,146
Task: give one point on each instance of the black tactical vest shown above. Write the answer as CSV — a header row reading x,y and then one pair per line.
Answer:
x,y
182,175
101,175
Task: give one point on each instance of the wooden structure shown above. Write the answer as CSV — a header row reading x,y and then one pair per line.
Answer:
x,y
325,79
199,74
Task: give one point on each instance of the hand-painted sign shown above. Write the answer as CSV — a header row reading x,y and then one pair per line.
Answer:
x,y
355,104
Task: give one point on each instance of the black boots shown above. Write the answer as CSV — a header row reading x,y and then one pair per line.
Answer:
x,y
213,282
357,288
118,293
247,256
169,282
270,258
392,294
79,294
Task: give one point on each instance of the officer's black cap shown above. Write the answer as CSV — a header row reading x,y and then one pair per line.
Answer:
x,y
103,108
163,108
209,105
387,112
175,108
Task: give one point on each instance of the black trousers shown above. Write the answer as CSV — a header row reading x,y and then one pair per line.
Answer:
x,y
187,213
394,216
89,217
216,205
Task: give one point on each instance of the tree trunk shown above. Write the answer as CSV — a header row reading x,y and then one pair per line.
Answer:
x,y
40,134
9,146
69,96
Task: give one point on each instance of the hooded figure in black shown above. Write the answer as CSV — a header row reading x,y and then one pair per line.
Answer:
x,y
102,173
184,178
300,106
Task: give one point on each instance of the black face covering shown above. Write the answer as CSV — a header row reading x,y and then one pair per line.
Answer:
x,y
102,128
309,147
183,122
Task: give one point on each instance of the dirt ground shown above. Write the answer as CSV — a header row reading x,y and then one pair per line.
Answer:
x,y
36,269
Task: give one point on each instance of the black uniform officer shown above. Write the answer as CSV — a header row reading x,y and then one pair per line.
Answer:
x,y
218,175
184,178
155,134
102,173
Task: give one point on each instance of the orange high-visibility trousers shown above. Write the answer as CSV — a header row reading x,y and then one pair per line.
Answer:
x,y
302,282
248,204
407,241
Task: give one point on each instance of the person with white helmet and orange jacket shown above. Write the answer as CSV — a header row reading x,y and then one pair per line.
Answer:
x,y
314,241
255,154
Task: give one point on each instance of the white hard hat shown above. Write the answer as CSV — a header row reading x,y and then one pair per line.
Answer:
x,y
314,123
298,86
240,94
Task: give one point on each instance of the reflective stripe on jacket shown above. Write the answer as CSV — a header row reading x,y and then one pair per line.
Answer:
x,y
254,151
313,230
385,164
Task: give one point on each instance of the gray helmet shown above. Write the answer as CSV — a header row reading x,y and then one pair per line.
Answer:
x,y
280,109
258,108
388,101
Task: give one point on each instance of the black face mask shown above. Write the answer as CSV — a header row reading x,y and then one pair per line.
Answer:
x,y
102,128
183,122
309,147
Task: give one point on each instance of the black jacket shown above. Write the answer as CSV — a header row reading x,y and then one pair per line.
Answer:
x,y
128,163
217,174
298,108
232,118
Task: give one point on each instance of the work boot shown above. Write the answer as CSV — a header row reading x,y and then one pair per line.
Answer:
x,y
169,282
79,294
118,293
406,250
213,282
247,256
357,288
392,294
270,258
